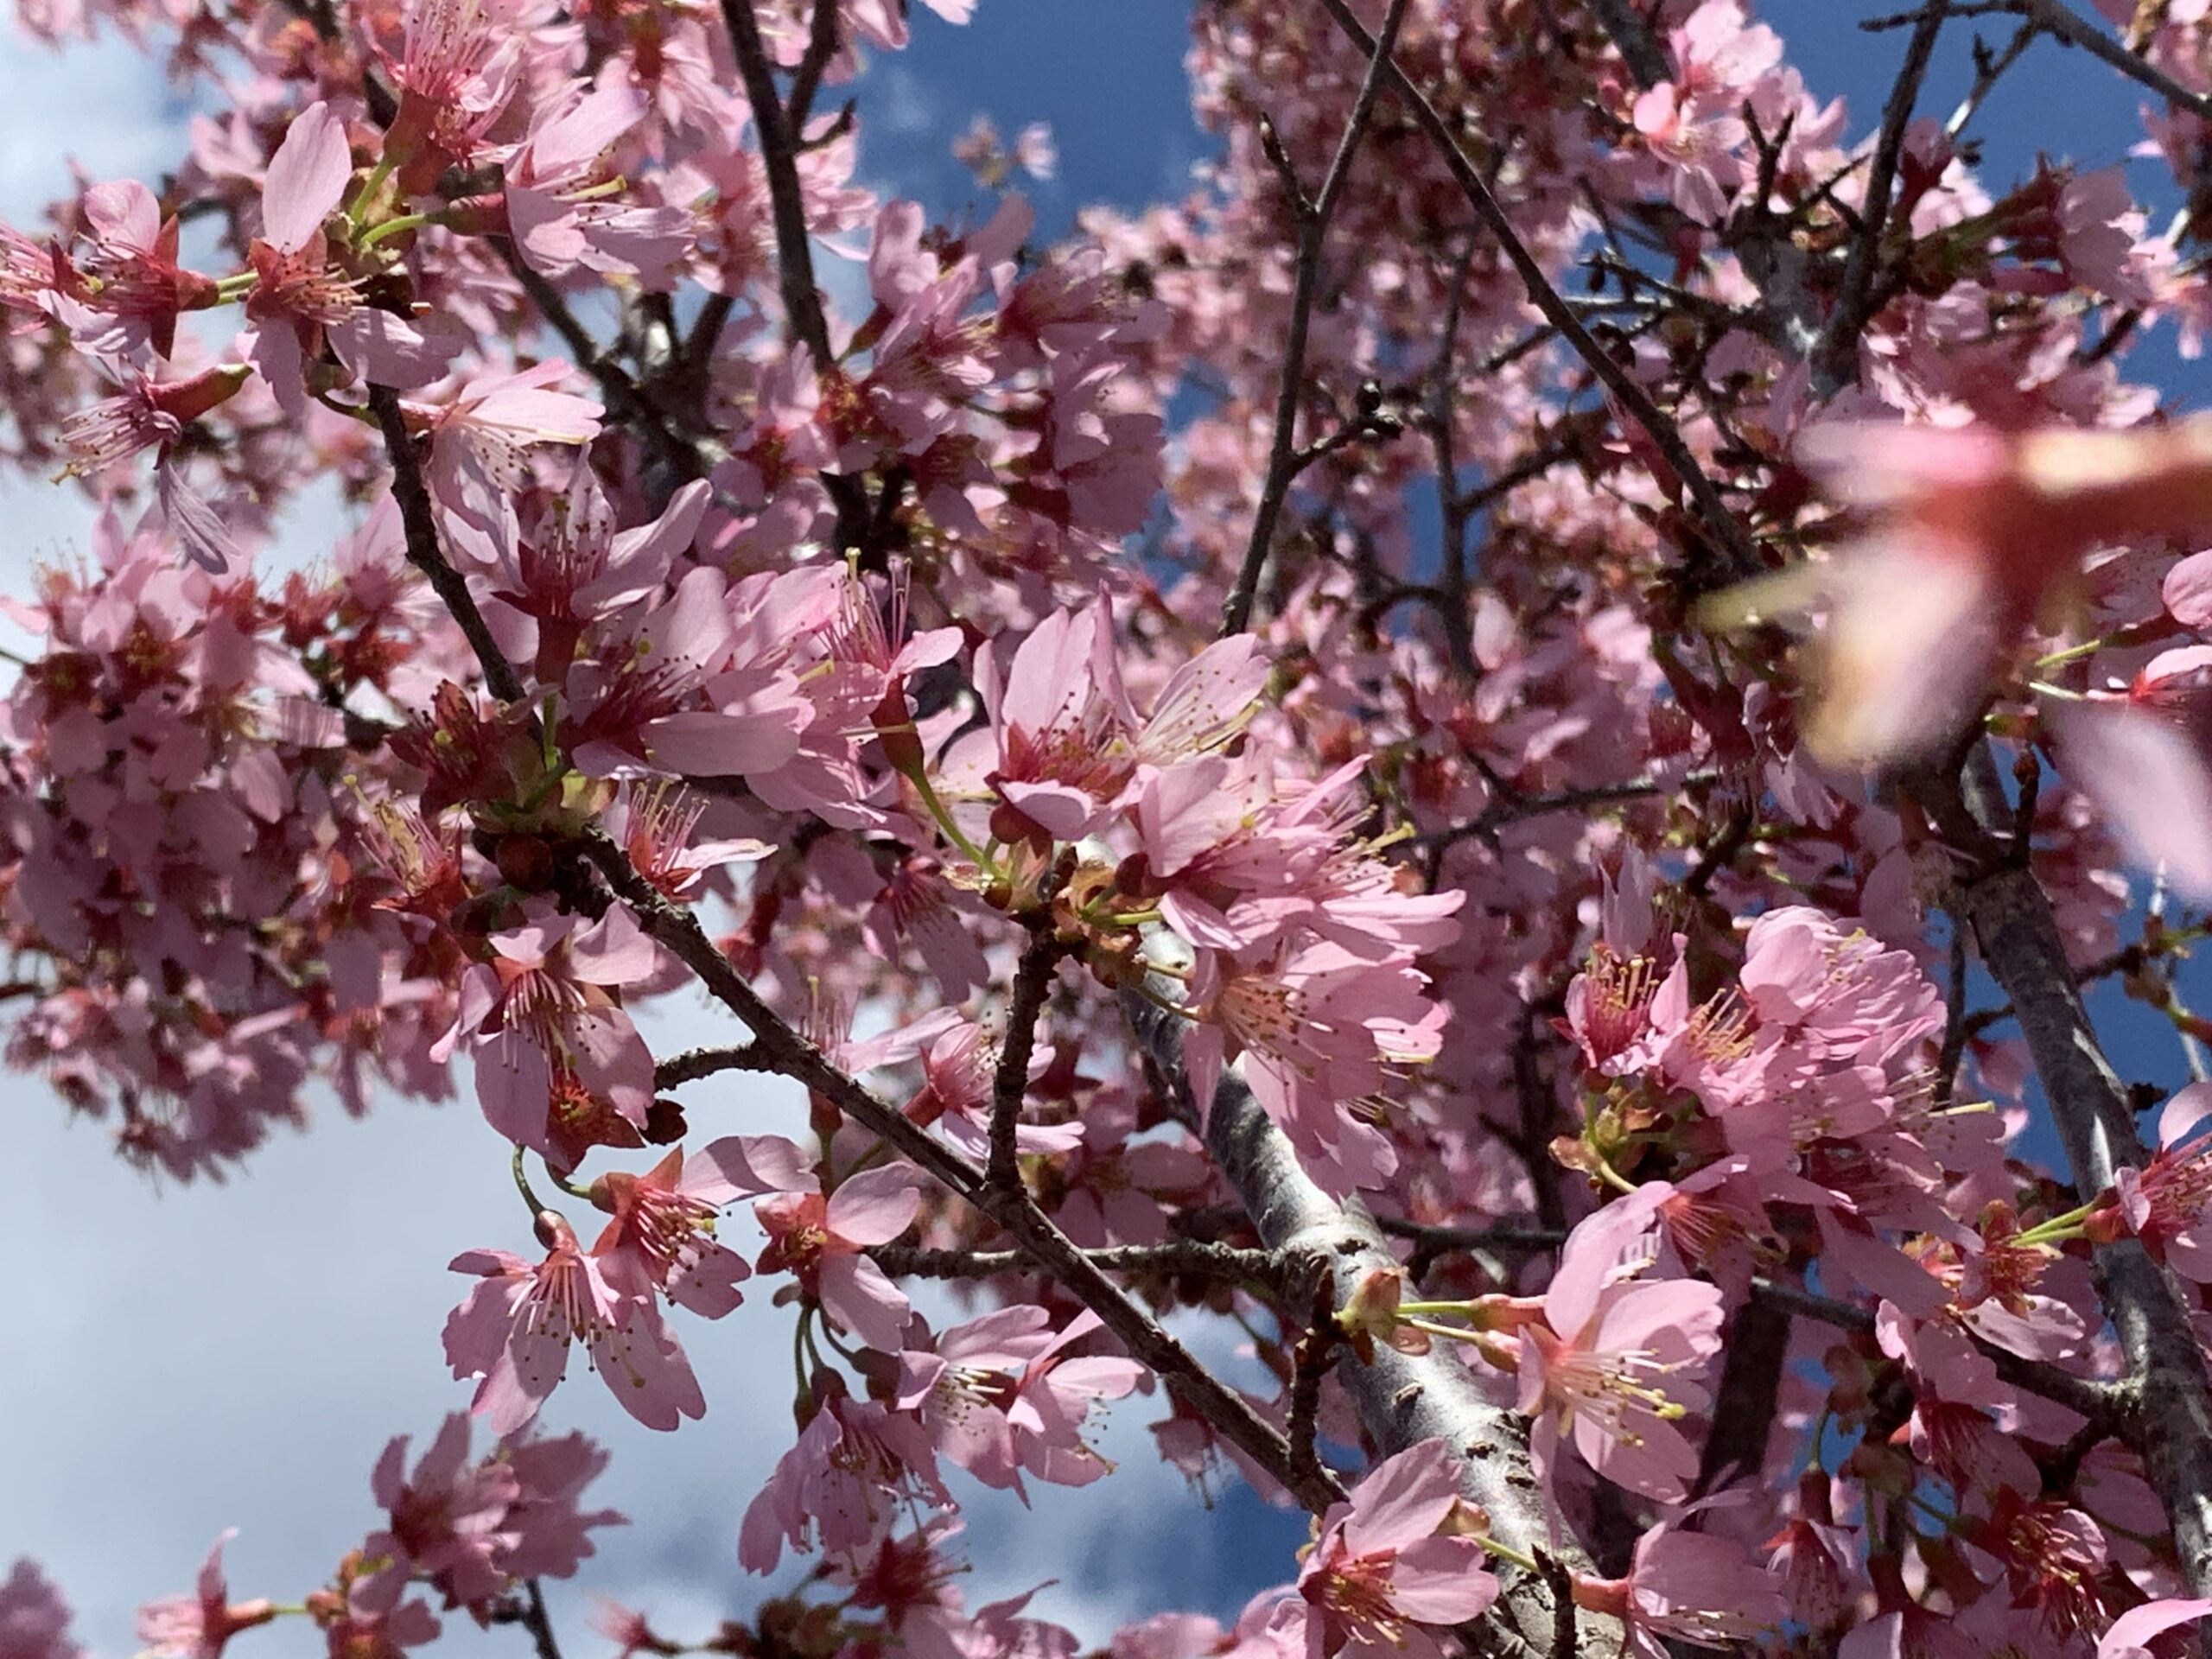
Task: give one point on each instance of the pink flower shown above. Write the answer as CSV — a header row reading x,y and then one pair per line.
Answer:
x,y
855,1468
1056,1397
546,1528
196,1626
1688,1587
2168,1203
961,1386
821,1241
542,1010
34,1618
2142,1632
1378,1565
1056,717
1319,1029
480,442
1608,1362
448,1519
1974,531
456,72
661,1240
959,1078
666,704
472,1528
147,413
301,297
514,1329
558,205
574,567
371,1623
132,290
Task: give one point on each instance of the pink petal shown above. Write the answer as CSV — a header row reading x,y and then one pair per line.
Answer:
x,y
307,178
875,1206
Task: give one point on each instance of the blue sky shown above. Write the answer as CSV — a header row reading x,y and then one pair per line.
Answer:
x,y
237,1356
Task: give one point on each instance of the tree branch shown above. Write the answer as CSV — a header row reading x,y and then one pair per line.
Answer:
x,y
1032,982
1401,1399
421,525
2172,1431
1312,231
695,1062
788,1052
1262,1269
2100,1400
1741,557
2056,17
1839,342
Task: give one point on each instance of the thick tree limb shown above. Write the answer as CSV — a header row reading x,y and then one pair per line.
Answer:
x,y
2171,1428
1403,1399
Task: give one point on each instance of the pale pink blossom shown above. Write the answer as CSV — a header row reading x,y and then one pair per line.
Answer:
x,y
514,1330
1379,1570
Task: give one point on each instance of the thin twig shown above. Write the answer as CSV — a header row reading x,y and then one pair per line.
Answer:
x,y
2105,1402
2061,20
1839,343
1312,231
1506,807
1728,535
804,316
1032,982
820,47
695,1062
793,1055
1262,1269
421,525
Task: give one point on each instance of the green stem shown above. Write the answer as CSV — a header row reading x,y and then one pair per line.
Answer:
x,y
394,226
1507,1552
937,810
521,1186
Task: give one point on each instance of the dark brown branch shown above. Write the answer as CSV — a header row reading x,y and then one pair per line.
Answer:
x,y
626,399
1312,231
1032,982
793,1056
1262,1269
2101,1402
693,1063
2129,959
806,80
1507,807
2172,1430
1631,35
1310,1360
804,316
421,525
1439,1239
1741,558
526,1607
803,312
1838,344
2056,18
